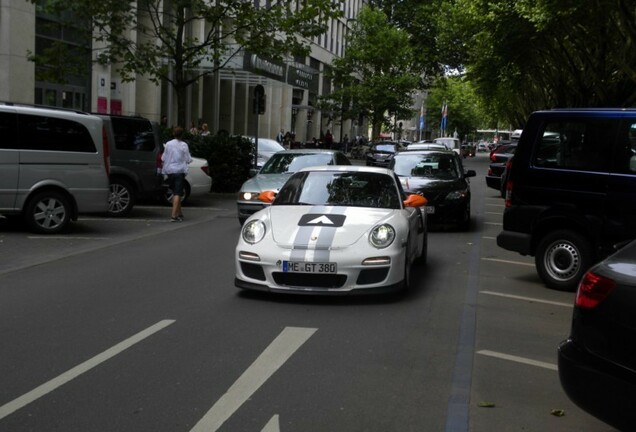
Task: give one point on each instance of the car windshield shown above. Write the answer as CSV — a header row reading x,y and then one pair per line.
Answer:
x,y
354,189
439,166
281,163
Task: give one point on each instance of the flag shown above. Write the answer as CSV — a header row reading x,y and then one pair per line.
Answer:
x,y
444,117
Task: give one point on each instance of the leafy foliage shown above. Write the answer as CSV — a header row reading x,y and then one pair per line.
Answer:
x,y
376,76
181,41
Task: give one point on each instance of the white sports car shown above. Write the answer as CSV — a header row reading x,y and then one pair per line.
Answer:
x,y
333,230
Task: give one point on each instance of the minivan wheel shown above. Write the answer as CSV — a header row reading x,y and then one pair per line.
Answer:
x,y
562,258
48,212
121,198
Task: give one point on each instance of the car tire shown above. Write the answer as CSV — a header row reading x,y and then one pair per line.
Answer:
x,y
562,258
186,193
464,225
48,212
121,198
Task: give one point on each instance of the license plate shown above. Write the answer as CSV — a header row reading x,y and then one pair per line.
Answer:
x,y
309,267
430,209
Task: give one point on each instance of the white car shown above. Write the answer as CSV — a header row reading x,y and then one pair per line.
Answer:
x,y
198,180
333,230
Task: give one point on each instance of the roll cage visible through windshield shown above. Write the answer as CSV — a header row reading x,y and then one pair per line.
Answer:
x,y
355,189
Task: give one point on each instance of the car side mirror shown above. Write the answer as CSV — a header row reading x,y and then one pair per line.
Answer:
x,y
267,196
415,200
470,173
254,171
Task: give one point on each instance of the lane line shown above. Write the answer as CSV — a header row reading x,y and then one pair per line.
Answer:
x,y
517,359
493,223
529,299
270,360
509,262
489,238
78,370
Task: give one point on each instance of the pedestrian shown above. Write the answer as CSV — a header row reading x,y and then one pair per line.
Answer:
x,y
328,139
204,130
280,137
194,130
287,140
175,158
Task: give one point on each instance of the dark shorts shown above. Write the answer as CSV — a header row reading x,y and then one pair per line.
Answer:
x,y
176,182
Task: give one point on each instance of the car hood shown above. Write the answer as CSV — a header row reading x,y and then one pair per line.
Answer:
x,y
264,182
323,227
422,184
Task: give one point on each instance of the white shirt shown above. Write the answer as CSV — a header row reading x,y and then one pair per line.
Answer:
x,y
175,157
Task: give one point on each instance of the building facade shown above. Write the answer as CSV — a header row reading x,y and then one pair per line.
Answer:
x,y
223,100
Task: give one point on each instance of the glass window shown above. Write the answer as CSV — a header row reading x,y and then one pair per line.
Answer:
x,y
133,134
50,133
581,144
8,131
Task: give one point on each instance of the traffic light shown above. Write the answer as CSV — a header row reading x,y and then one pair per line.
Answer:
x,y
259,100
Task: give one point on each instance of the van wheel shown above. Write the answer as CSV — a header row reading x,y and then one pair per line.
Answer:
x,y
48,212
562,259
121,198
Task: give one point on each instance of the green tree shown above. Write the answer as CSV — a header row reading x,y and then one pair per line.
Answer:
x,y
524,55
156,37
376,76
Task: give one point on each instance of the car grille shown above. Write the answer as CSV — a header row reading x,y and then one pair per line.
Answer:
x,y
309,280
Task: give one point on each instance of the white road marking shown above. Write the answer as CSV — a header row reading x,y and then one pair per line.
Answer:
x,y
493,223
530,299
270,360
517,359
509,262
273,425
71,374
65,238
489,238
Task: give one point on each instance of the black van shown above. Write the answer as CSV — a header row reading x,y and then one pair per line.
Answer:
x,y
571,191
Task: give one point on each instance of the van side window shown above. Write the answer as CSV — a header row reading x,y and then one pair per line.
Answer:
x,y
8,131
626,149
578,145
133,135
50,133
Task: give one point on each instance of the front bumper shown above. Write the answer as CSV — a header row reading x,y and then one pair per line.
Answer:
x,y
352,276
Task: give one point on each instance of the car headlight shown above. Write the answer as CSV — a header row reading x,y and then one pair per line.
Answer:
x,y
382,236
248,196
457,195
253,231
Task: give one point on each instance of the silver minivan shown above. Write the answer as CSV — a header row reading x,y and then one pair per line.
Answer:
x,y
53,166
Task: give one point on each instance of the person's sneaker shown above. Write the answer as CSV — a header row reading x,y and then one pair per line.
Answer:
x,y
180,217
175,219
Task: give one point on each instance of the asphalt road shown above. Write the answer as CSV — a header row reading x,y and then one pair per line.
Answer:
x,y
135,325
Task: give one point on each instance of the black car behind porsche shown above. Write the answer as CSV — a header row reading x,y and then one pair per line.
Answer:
x,y
439,176
597,363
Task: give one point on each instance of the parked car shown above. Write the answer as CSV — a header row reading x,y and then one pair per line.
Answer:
x,y
497,168
426,145
197,181
380,153
482,147
134,144
597,363
333,230
571,191
266,148
276,172
450,143
503,152
439,176
53,166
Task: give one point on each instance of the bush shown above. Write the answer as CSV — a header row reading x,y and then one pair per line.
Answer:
x,y
229,157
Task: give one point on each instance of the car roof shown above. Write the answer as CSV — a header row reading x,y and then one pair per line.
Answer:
x,y
307,151
349,168
425,152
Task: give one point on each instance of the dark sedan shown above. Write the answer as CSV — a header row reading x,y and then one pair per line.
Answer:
x,y
597,363
381,153
495,178
439,176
